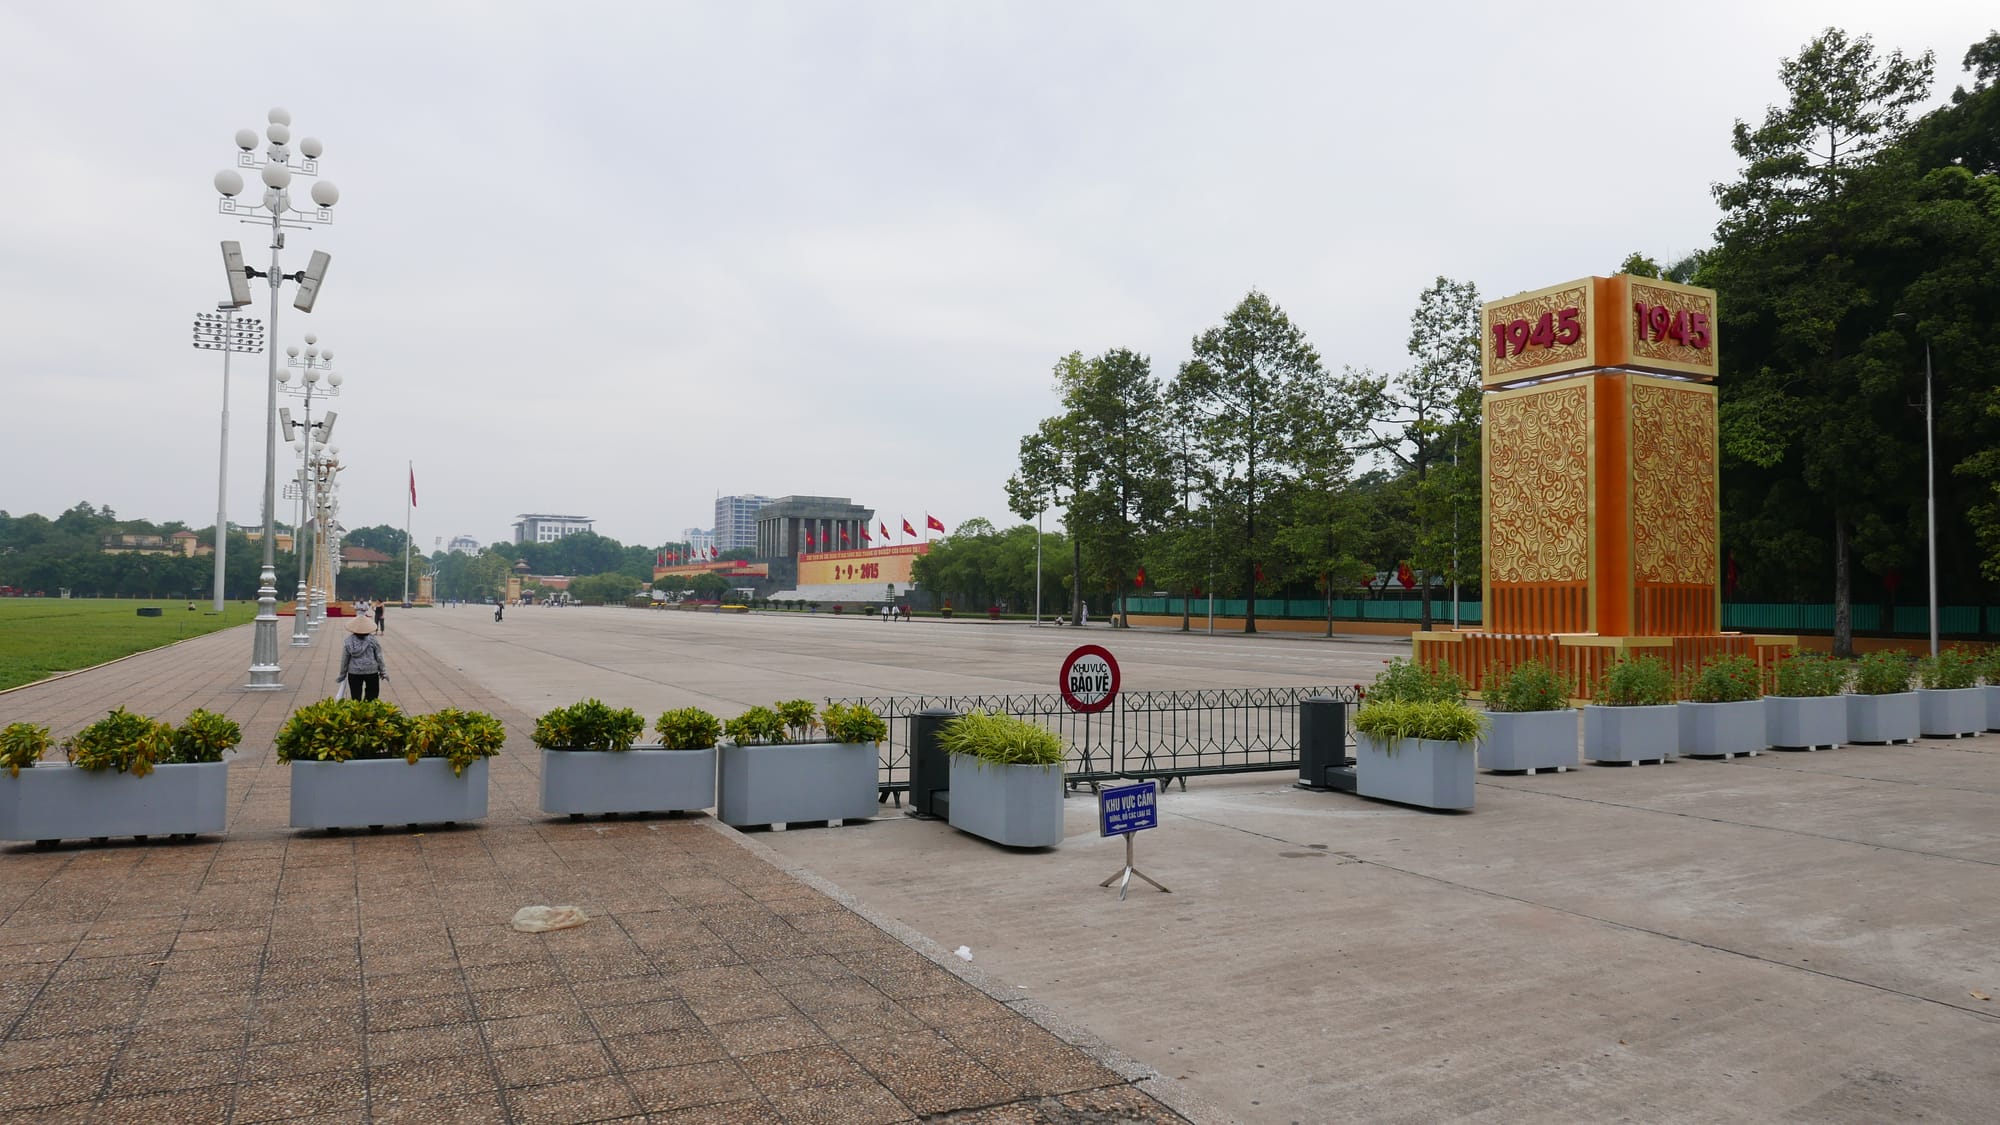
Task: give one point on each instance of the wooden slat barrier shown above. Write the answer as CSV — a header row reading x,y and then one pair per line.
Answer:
x,y
1582,659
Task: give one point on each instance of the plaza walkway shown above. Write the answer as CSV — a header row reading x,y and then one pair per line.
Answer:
x,y
271,975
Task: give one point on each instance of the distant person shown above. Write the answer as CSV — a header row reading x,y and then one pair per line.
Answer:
x,y
361,661
499,608
380,626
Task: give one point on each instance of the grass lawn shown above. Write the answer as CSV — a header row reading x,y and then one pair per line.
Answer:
x,y
42,636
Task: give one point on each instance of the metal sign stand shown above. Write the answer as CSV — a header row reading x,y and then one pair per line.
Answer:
x,y
1124,878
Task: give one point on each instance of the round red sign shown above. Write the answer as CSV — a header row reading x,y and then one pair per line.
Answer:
x,y
1089,679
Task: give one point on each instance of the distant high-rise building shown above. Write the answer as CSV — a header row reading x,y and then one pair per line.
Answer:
x,y
537,527
736,521
463,545
699,540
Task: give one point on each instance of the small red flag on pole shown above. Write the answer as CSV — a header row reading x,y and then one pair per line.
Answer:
x,y
932,523
908,530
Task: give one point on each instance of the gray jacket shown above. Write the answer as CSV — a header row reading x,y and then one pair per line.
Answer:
x,y
355,646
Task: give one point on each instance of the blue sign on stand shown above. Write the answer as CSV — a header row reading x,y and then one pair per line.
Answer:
x,y
1124,809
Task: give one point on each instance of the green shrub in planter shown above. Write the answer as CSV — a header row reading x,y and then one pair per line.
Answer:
x,y
460,737
1432,720
1882,673
851,722
22,745
1949,670
588,725
1001,740
120,741
1405,681
341,730
1726,679
688,728
204,737
800,717
1635,681
1811,675
1528,686
1989,665
755,727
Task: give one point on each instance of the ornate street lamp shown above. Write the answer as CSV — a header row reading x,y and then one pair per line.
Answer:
x,y
221,331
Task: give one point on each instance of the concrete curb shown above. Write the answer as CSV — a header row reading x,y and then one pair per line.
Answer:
x,y
1167,1091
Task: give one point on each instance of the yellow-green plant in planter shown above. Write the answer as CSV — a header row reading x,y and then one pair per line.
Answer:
x,y
1001,740
1811,675
1639,681
1726,679
1882,673
341,730
588,725
1528,686
800,717
459,737
204,737
22,745
1989,666
1949,670
851,722
120,741
688,728
1391,720
759,726
1405,681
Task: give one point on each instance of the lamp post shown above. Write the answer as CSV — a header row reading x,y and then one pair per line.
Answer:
x,y
312,436
220,331
1930,486
325,477
275,167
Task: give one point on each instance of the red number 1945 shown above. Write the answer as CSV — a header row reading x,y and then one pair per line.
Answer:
x,y
1553,330
1657,322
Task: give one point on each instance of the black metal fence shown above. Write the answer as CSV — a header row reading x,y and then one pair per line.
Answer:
x,y
1163,734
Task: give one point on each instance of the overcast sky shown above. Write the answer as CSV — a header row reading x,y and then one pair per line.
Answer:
x,y
613,260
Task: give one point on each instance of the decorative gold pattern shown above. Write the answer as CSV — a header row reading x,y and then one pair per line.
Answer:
x,y
1673,484
1540,360
1666,354
1537,485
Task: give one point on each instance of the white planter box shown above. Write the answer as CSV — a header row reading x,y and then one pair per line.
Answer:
x,y
1631,734
1882,718
1019,806
1950,712
792,782
1806,721
592,782
1723,730
1992,706
1529,740
1433,775
54,801
377,792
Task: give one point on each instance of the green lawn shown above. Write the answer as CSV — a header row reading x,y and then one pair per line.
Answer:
x,y
42,636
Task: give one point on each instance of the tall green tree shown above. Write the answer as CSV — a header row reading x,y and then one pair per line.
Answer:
x,y
1259,400
1117,411
1431,409
1800,300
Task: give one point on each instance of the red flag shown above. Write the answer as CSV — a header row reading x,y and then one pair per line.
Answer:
x,y
1140,580
659,558
843,536
907,529
1405,576
885,530
1260,572
809,540
413,486
865,538
713,552
932,523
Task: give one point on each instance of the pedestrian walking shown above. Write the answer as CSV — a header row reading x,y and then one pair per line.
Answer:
x,y
380,625
498,609
361,664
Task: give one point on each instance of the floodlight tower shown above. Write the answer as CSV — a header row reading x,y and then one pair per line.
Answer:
x,y
221,331
275,166
313,365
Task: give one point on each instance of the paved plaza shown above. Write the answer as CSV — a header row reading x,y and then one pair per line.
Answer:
x,y
1799,937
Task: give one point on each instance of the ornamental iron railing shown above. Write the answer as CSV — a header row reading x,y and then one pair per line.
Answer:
x,y
1169,735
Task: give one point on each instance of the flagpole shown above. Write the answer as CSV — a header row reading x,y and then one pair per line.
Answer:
x,y
408,543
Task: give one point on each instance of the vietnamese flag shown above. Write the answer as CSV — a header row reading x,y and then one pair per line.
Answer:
x,y
809,540
1405,576
865,538
907,529
885,531
1140,579
932,523
713,552
413,484
843,537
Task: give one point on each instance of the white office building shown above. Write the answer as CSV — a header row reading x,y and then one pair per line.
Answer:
x,y
736,521
699,540
538,527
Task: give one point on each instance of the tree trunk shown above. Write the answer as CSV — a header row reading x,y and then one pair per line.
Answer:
x,y
1124,613
1326,591
1843,608
1076,582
